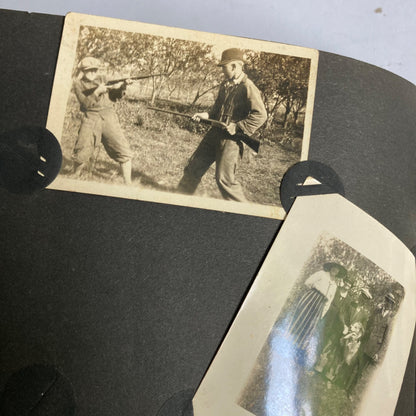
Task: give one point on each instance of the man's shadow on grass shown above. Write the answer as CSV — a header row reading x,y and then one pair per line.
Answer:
x,y
148,181
67,167
106,171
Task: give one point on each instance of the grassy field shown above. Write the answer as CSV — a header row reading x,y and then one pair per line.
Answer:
x,y
162,145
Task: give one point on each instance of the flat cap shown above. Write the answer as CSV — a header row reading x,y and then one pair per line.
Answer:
x,y
89,63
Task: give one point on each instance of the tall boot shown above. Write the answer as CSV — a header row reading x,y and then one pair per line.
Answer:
x,y
78,168
126,172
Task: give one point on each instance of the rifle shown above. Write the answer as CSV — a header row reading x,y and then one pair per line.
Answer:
x,y
89,91
251,142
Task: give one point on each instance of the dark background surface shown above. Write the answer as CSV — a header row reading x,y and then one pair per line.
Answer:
x,y
130,300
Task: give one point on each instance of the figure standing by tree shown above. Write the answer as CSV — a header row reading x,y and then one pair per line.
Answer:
x,y
376,334
240,106
99,121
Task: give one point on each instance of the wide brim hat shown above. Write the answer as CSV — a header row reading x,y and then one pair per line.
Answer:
x,y
89,63
342,270
230,55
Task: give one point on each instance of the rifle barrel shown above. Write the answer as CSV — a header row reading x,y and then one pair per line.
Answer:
x,y
162,110
249,141
115,81
203,120
89,91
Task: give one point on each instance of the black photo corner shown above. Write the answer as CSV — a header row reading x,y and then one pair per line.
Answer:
x,y
30,159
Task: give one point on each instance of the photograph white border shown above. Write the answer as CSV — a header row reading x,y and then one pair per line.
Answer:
x,y
63,84
309,217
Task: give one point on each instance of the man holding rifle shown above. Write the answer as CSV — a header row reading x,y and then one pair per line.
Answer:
x,y
99,121
240,107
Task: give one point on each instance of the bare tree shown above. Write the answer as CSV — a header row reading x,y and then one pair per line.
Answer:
x,y
282,79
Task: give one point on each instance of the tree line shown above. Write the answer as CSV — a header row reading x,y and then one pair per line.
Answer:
x,y
190,71
361,271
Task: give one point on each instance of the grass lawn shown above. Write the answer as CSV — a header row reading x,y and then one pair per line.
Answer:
x,y
162,145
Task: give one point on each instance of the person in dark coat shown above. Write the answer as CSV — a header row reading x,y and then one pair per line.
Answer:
x,y
333,327
355,318
377,331
239,105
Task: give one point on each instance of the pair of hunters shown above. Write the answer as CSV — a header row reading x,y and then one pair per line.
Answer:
x,y
236,115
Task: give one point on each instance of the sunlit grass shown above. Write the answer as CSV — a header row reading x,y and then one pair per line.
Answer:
x,y
162,145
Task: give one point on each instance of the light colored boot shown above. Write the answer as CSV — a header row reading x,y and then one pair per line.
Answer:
x,y
126,172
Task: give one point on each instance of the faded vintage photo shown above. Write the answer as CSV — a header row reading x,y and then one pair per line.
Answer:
x,y
177,116
328,339
327,325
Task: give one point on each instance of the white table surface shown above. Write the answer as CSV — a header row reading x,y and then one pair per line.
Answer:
x,y
380,32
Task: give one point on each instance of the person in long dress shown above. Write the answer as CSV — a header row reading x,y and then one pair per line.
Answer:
x,y
314,303
276,385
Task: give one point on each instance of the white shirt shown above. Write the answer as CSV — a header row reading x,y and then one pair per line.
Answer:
x,y
322,282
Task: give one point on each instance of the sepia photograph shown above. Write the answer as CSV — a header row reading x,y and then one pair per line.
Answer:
x,y
330,336
326,326
177,116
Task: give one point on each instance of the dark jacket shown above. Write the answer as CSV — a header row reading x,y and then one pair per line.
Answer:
x,y
376,335
240,103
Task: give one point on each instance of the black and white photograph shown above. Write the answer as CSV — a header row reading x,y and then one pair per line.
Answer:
x,y
331,334
177,116
326,326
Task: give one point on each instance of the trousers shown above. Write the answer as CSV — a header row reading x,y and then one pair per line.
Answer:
x,y
97,127
219,147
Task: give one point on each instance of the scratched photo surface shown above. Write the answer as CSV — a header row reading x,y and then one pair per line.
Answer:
x,y
328,339
327,325
135,137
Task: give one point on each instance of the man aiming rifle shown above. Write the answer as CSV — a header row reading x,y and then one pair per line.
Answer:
x,y
120,83
99,122
240,107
